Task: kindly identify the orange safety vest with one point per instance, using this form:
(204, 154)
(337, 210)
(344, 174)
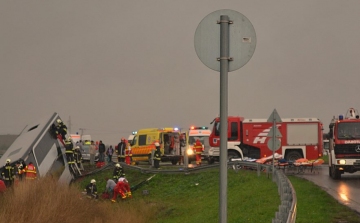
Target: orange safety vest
(198, 149)
(30, 172)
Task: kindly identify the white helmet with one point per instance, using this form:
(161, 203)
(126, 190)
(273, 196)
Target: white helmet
(77, 147)
(122, 179)
(157, 144)
(117, 165)
(8, 161)
(93, 181)
(58, 120)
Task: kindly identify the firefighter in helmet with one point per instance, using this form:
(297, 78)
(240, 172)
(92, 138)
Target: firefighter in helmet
(91, 190)
(198, 149)
(8, 173)
(69, 151)
(157, 155)
(118, 172)
(61, 129)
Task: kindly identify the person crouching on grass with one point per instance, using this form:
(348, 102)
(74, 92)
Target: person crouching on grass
(122, 188)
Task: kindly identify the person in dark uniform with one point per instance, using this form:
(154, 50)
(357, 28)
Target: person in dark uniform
(8, 173)
(121, 150)
(118, 172)
(157, 155)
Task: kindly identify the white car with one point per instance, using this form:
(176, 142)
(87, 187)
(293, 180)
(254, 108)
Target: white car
(86, 155)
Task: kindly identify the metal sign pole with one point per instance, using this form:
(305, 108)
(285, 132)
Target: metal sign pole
(274, 143)
(224, 65)
(241, 39)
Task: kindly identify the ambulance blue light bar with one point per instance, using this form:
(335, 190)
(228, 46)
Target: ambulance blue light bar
(196, 127)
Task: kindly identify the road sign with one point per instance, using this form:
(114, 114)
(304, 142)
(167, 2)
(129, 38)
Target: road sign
(242, 40)
(274, 117)
(277, 133)
(274, 144)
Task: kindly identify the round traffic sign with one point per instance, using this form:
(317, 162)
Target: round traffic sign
(242, 39)
(274, 146)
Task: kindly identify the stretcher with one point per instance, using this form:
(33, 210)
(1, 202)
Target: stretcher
(311, 165)
(301, 166)
(269, 159)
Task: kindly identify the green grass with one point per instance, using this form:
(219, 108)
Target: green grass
(178, 199)
(195, 197)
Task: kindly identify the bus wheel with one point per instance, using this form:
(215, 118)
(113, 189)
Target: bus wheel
(232, 154)
(293, 155)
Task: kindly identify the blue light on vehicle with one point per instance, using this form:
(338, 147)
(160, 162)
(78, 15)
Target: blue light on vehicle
(341, 117)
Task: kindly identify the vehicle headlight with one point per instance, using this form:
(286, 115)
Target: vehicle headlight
(189, 152)
(341, 162)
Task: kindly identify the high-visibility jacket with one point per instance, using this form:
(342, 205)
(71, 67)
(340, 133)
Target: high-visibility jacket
(198, 148)
(30, 171)
(8, 172)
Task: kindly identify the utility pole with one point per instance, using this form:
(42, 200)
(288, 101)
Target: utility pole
(82, 132)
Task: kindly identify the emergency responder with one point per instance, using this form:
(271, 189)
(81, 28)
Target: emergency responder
(20, 170)
(30, 172)
(198, 149)
(118, 172)
(110, 184)
(91, 190)
(69, 151)
(121, 150)
(122, 188)
(61, 129)
(101, 151)
(78, 158)
(8, 173)
(128, 153)
(157, 155)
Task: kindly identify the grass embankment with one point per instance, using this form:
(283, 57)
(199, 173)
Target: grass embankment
(180, 198)
(172, 198)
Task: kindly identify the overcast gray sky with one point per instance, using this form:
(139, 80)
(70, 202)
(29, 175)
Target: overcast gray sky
(116, 66)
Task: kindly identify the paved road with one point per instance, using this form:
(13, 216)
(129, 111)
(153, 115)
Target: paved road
(346, 190)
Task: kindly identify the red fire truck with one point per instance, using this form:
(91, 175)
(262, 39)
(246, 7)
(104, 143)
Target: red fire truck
(344, 144)
(301, 138)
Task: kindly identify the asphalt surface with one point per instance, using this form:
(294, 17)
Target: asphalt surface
(346, 190)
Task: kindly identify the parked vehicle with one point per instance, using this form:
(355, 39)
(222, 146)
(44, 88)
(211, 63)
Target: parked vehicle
(202, 133)
(143, 144)
(37, 144)
(301, 138)
(344, 144)
(86, 155)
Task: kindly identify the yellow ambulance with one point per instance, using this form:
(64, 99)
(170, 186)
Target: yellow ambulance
(171, 143)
